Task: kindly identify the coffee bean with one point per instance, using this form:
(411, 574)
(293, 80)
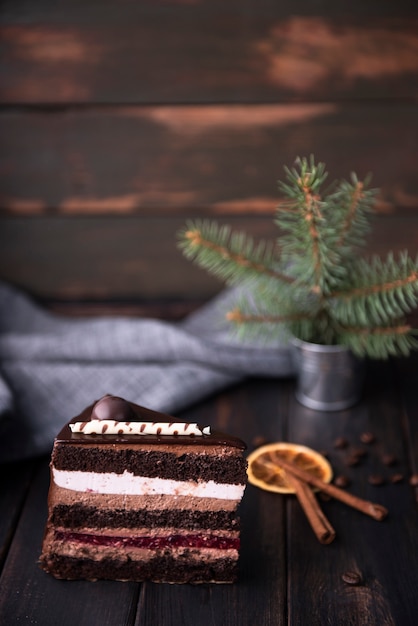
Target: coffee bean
(352, 460)
(352, 578)
(389, 459)
(340, 443)
(259, 441)
(367, 437)
(376, 479)
(413, 481)
(359, 452)
(396, 478)
(342, 481)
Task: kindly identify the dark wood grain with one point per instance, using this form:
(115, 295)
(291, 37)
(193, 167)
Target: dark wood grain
(27, 592)
(387, 573)
(206, 52)
(15, 482)
(164, 110)
(177, 159)
(406, 377)
(105, 258)
(286, 575)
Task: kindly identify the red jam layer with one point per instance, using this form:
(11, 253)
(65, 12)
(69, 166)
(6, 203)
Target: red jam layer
(152, 543)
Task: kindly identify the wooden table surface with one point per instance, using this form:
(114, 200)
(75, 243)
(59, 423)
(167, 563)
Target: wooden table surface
(286, 575)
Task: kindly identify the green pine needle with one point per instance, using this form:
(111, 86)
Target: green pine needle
(380, 343)
(231, 256)
(380, 291)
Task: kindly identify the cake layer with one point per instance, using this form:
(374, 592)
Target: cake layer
(205, 535)
(71, 549)
(59, 495)
(157, 569)
(171, 539)
(129, 484)
(79, 516)
(178, 557)
(180, 463)
(144, 544)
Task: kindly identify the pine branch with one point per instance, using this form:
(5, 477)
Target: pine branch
(380, 342)
(355, 202)
(265, 312)
(268, 326)
(355, 197)
(382, 291)
(308, 241)
(231, 257)
(238, 317)
(306, 173)
(312, 215)
(308, 283)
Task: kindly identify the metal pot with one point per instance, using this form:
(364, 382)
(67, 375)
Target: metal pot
(329, 378)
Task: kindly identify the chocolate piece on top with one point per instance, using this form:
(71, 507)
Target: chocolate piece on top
(112, 408)
(138, 415)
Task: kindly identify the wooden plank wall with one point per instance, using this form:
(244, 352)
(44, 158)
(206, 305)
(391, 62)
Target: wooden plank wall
(119, 119)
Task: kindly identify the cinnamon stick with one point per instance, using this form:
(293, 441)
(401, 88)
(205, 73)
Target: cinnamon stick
(376, 511)
(320, 525)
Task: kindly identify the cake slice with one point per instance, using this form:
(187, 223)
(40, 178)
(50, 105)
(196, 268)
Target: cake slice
(136, 495)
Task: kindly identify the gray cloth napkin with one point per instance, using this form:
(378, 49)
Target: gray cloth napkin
(52, 367)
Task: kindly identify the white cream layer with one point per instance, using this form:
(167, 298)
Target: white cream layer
(131, 485)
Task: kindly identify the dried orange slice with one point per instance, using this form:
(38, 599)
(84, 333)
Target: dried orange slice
(264, 468)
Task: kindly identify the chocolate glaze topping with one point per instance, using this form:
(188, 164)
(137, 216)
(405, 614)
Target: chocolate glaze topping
(115, 408)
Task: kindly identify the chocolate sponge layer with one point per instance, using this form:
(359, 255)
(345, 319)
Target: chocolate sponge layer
(226, 469)
(78, 516)
(158, 569)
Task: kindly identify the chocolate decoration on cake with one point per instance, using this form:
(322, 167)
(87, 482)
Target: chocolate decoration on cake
(142, 429)
(143, 414)
(112, 408)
